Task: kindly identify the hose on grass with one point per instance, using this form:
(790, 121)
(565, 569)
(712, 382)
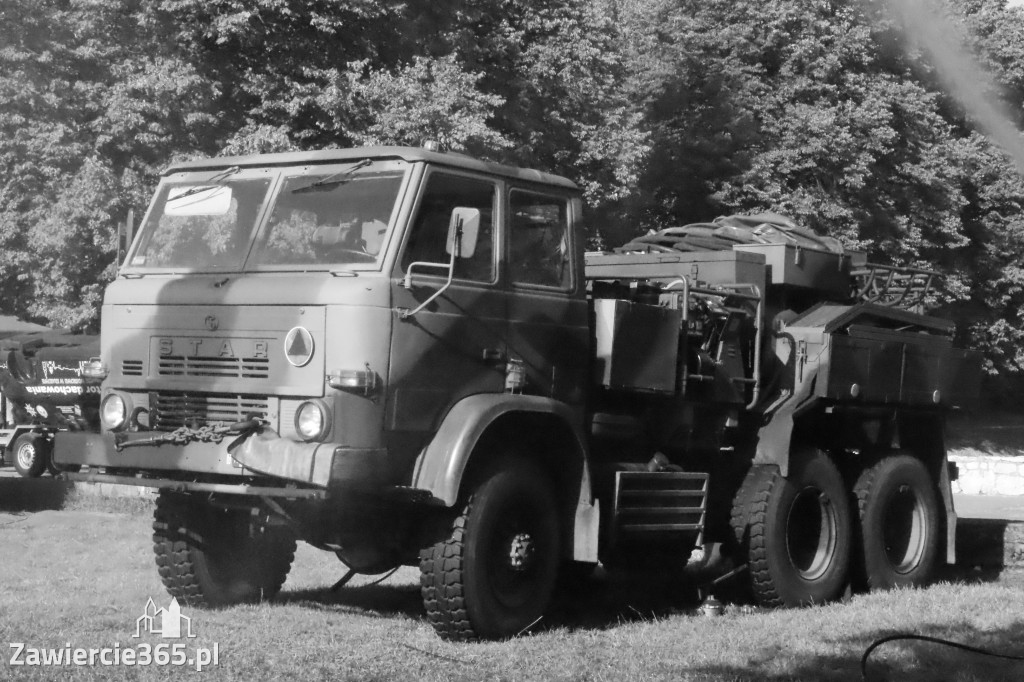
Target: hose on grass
(933, 640)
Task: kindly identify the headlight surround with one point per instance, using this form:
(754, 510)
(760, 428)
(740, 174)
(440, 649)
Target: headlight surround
(312, 420)
(114, 411)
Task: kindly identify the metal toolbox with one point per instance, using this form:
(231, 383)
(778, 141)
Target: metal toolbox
(636, 345)
(707, 267)
(888, 367)
(801, 266)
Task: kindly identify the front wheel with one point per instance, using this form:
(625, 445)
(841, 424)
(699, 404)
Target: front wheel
(494, 576)
(31, 453)
(795, 531)
(899, 523)
(208, 556)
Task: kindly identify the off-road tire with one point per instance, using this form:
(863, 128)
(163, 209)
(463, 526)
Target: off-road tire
(30, 453)
(470, 583)
(739, 589)
(795, 533)
(899, 524)
(206, 556)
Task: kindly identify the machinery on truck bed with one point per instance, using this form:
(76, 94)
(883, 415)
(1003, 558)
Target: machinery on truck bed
(403, 356)
(43, 390)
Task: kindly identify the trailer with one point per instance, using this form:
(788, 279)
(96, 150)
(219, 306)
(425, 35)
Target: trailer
(405, 357)
(43, 390)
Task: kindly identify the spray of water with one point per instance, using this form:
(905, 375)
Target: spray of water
(963, 77)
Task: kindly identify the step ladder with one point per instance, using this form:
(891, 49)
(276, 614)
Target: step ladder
(652, 503)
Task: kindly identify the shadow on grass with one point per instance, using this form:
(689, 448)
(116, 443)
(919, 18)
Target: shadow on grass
(622, 597)
(32, 494)
(608, 601)
(987, 551)
(370, 600)
(587, 605)
(906, 661)
(601, 603)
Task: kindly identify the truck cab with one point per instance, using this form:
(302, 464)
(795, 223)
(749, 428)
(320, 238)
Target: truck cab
(312, 292)
(328, 337)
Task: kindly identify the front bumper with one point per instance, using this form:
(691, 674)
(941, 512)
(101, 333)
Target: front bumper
(290, 491)
(264, 454)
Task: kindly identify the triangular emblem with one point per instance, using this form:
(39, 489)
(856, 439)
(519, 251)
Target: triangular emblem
(298, 346)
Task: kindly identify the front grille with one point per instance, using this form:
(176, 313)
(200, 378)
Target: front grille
(131, 368)
(172, 409)
(235, 368)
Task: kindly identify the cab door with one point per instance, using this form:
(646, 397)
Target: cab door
(455, 346)
(548, 322)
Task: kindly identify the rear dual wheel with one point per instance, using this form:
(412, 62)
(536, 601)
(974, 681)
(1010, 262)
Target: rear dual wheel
(794, 532)
(900, 523)
(798, 538)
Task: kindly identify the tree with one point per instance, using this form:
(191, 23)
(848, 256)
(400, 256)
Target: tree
(92, 109)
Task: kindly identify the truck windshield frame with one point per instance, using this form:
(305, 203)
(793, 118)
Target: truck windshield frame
(342, 218)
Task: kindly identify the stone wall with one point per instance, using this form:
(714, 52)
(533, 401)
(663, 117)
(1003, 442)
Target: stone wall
(988, 474)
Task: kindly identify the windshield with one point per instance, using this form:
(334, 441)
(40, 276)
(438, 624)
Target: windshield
(318, 217)
(201, 226)
(328, 218)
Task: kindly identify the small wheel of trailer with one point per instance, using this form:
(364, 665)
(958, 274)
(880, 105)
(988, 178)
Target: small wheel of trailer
(900, 522)
(794, 532)
(495, 574)
(31, 452)
(207, 556)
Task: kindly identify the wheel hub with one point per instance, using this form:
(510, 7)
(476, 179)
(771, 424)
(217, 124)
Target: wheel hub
(26, 454)
(521, 552)
(812, 533)
(904, 532)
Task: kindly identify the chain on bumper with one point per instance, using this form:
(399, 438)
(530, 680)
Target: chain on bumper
(183, 435)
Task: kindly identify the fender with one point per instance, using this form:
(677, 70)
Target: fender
(442, 463)
(946, 493)
(775, 436)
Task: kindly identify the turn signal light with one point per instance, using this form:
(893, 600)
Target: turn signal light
(360, 381)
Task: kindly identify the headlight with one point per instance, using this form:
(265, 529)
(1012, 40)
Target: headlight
(113, 411)
(312, 420)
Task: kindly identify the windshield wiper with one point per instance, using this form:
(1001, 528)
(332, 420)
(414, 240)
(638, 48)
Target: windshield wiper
(338, 178)
(217, 179)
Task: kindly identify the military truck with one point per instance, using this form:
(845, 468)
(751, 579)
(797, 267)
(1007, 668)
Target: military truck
(403, 356)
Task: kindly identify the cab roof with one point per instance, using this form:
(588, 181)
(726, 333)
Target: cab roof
(410, 154)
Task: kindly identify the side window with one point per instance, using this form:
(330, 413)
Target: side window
(430, 229)
(539, 239)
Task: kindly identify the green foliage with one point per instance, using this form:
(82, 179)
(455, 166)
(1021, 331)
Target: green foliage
(664, 112)
(93, 107)
(430, 99)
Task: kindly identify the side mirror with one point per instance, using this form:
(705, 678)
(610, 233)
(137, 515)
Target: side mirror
(125, 232)
(463, 230)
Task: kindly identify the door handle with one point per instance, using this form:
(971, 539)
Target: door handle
(493, 355)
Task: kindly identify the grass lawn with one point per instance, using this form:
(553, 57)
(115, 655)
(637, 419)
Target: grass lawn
(82, 578)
